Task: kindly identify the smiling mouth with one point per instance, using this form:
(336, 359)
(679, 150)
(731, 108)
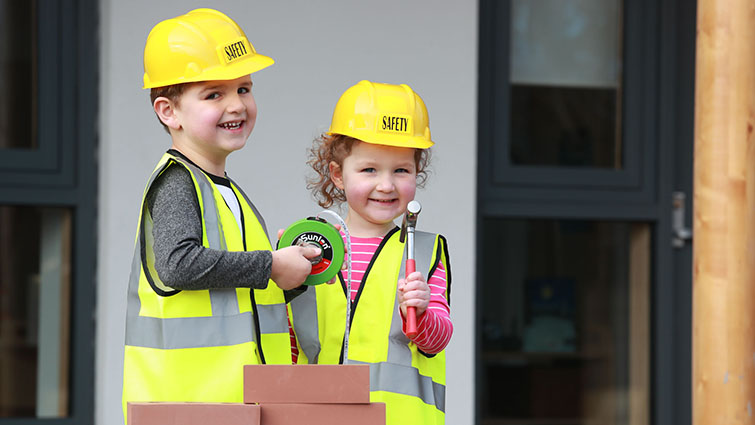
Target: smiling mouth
(383, 201)
(231, 125)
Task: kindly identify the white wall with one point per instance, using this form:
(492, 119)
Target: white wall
(320, 48)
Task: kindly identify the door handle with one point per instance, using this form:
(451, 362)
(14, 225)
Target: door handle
(680, 232)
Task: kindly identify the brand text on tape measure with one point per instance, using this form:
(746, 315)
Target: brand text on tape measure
(317, 232)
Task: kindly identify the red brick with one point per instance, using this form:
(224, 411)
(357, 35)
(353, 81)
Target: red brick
(323, 414)
(159, 413)
(306, 384)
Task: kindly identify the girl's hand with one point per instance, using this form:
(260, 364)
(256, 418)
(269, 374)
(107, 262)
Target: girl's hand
(413, 291)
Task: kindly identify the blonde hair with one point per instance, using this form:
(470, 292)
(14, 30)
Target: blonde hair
(329, 148)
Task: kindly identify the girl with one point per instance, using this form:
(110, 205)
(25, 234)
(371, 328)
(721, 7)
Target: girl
(373, 157)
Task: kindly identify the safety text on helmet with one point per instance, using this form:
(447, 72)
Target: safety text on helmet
(235, 50)
(395, 124)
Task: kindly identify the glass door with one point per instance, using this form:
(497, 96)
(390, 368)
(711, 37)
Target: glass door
(35, 307)
(585, 132)
(565, 325)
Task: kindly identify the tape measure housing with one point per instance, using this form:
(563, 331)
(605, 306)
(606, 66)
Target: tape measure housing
(317, 232)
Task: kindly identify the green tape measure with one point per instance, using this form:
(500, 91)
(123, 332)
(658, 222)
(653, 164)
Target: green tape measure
(317, 232)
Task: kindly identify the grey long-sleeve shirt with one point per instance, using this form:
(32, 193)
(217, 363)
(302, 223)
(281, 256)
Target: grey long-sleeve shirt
(180, 259)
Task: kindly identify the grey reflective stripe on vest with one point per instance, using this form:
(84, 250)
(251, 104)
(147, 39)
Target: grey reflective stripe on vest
(273, 318)
(225, 327)
(212, 223)
(224, 302)
(189, 332)
(400, 379)
(306, 325)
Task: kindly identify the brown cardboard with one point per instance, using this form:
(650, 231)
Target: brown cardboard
(307, 384)
(164, 413)
(323, 414)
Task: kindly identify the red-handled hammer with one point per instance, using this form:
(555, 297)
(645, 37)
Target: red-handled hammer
(407, 232)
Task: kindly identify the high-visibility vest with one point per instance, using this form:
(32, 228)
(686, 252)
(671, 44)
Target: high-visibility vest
(192, 345)
(412, 384)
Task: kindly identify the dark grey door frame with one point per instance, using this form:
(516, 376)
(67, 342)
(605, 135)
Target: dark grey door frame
(672, 369)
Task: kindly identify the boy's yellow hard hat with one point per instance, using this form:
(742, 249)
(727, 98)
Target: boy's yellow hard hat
(383, 114)
(201, 45)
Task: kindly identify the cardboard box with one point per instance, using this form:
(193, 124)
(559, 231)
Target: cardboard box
(307, 384)
(323, 414)
(165, 413)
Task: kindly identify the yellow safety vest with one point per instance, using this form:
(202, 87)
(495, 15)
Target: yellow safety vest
(192, 345)
(410, 383)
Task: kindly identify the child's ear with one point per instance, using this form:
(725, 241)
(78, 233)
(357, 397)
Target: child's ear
(166, 112)
(336, 174)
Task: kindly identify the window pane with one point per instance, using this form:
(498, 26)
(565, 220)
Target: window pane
(35, 273)
(566, 83)
(18, 74)
(565, 322)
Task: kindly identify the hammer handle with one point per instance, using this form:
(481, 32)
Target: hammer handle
(411, 312)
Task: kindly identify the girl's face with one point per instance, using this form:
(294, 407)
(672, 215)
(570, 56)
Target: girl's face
(378, 181)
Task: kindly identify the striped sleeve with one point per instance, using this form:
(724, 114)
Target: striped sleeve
(434, 328)
(294, 347)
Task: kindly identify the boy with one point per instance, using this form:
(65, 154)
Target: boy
(205, 294)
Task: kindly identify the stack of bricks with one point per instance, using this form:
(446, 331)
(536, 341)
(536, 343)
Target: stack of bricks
(279, 395)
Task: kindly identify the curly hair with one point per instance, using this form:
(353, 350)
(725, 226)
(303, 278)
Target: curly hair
(329, 148)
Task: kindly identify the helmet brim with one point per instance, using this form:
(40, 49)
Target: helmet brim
(387, 139)
(248, 66)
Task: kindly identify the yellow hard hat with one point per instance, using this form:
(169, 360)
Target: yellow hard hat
(201, 45)
(383, 114)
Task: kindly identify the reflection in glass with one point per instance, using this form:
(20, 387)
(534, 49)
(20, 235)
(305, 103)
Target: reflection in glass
(565, 331)
(35, 279)
(565, 76)
(18, 74)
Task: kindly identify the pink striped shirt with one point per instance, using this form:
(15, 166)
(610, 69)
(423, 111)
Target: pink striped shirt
(434, 327)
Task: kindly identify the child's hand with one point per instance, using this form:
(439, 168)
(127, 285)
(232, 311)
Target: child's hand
(291, 265)
(343, 266)
(413, 291)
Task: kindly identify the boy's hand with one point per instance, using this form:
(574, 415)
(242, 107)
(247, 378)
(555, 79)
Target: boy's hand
(413, 291)
(291, 265)
(343, 266)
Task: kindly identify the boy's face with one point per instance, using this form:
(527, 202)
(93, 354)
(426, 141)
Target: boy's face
(215, 118)
(378, 181)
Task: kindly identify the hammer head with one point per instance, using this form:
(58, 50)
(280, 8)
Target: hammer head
(410, 218)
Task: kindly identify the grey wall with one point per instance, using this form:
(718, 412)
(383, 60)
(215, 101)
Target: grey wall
(320, 48)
